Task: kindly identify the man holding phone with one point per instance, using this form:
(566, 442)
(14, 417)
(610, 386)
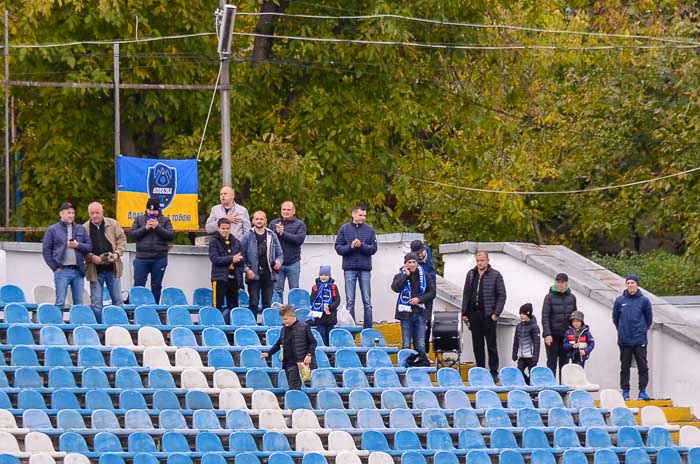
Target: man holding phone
(64, 247)
(153, 234)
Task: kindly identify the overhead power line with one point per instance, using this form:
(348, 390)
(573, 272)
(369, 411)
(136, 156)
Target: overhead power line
(554, 192)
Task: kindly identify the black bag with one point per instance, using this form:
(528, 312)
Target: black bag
(417, 360)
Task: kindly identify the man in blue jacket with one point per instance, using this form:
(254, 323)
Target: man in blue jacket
(356, 242)
(291, 232)
(632, 317)
(64, 248)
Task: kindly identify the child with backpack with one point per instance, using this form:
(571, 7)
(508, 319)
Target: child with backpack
(578, 340)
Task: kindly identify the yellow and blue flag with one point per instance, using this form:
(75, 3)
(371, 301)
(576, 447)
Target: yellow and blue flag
(174, 182)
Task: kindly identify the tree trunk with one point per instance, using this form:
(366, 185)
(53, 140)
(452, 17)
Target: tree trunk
(262, 49)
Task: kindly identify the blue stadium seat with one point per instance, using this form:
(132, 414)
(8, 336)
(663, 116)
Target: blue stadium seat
(456, 399)
(425, 399)
(361, 399)
(52, 335)
(622, 416)
(11, 294)
(111, 458)
(303, 314)
(406, 440)
(182, 336)
(318, 338)
(243, 317)
(296, 399)
(114, 315)
(355, 378)
(141, 442)
(518, 399)
(282, 380)
(496, 417)
(565, 437)
(131, 399)
(213, 458)
(272, 335)
(160, 378)
(448, 377)
(329, 399)
(370, 338)
(211, 316)
(402, 419)
(107, 442)
(122, 357)
(23, 355)
(477, 456)
(171, 419)
(511, 377)
(313, 458)
(147, 315)
(49, 314)
(89, 356)
(323, 378)
(197, 399)
(36, 419)
(250, 358)
(95, 378)
(64, 400)
(345, 358)
(541, 376)
(237, 419)
(98, 399)
(16, 313)
(243, 298)
(8, 459)
(639, 456)
(141, 296)
(373, 440)
(127, 378)
(60, 377)
(337, 419)
(629, 437)
(693, 457)
(85, 336)
(242, 441)
(137, 419)
(591, 417)
(246, 337)
(541, 456)
(487, 399)
(164, 400)
(19, 335)
(434, 419)
(28, 377)
(202, 297)
(548, 399)
(393, 399)
(479, 377)
(71, 442)
(444, 457)
(529, 417)
(414, 457)
(369, 419)
(213, 336)
(510, 457)
(503, 438)
(246, 458)
(271, 317)
(3, 381)
(210, 442)
(104, 419)
(378, 358)
(418, 378)
(205, 419)
(143, 457)
(279, 458)
(56, 356)
(178, 316)
(179, 458)
(321, 359)
(535, 438)
(69, 419)
(605, 456)
(82, 314)
(658, 437)
(580, 399)
(560, 417)
(465, 418)
(386, 378)
(173, 296)
(299, 298)
(175, 442)
(341, 338)
(220, 358)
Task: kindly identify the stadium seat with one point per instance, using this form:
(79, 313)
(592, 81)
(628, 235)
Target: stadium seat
(370, 419)
(114, 315)
(477, 456)
(496, 417)
(402, 419)
(417, 378)
(512, 377)
(340, 338)
(373, 440)
(518, 399)
(541, 456)
(529, 417)
(424, 399)
(175, 442)
(622, 416)
(271, 317)
(137, 419)
(230, 399)
(210, 442)
(361, 399)
(323, 378)
(147, 314)
(97, 399)
(144, 457)
(12, 294)
(178, 316)
(19, 335)
(49, 314)
(658, 437)
(304, 419)
(246, 458)
(406, 440)
(191, 379)
(597, 437)
(122, 357)
(313, 458)
(548, 399)
(693, 456)
(339, 440)
(629, 437)
(308, 442)
(179, 458)
(372, 338)
(639, 456)
(393, 399)
(243, 317)
(535, 438)
(28, 377)
(16, 313)
(456, 399)
(131, 399)
(299, 298)
(44, 294)
(355, 378)
(503, 438)
(69, 419)
(689, 436)
(52, 335)
(213, 458)
(296, 399)
(439, 440)
(574, 376)
(37, 442)
(345, 358)
(379, 457)
(85, 336)
(264, 399)
(82, 314)
(541, 376)
(211, 316)
(72, 442)
(414, 457)
(486, 399)
(95, 378)
(36, 419)
(104, 419)
(107, 442)
(652, 416)
(510, 457)
(202, 297)
(141, 296)
(165, 399)
(347, 457)
(337, 419)
(204, 419)
(182, 337)
(243, 298)
(303, 314)
(246, 337)
(75, 458)
(448, 377)
(328, 399)
(605, 456)
(560, 417)
(580, 399)
(378, 358)
(237, 419)
(565, 437)
(386, 378)
(465, 418)
(173, 296)
(197, 399)
(213, 336)
(591, 417)
(171, 419)
(220, 358)
(610, 399)
(89, 356)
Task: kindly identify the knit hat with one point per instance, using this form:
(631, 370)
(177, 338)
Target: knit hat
(153, 203)
(325, 270)
(561, 277)
(417, 246)
(576, 315)
(65, 206)
(632, 277)
(410, 256)
(526, 309)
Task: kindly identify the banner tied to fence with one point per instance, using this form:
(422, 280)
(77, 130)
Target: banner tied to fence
(173, 182)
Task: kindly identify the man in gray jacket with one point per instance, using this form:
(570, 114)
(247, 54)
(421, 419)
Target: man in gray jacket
(263, 259)
(237, 214)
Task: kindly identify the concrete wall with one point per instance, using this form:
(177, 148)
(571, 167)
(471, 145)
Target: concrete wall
(189, 268)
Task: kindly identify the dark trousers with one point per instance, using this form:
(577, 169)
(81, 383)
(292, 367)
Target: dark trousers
(225, 290)
(556, 355)
(325, 331)
(428, 330)
(293, 376)
(155, 267)
(483, 329)
(254, 286)
(526, 363)
(640, 354)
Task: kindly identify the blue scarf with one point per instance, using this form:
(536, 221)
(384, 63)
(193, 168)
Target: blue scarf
(323, 297)
(403, 304)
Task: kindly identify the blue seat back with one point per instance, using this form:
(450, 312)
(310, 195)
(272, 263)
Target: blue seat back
(329, 399)
(171, 419)
(82, 314)
(622, 416)
(259, 379)
(402, 419)
(487, 399)
(89, 356)
(434, 419)
(345, 358)
(71, 442)
(605, 456)
(141, 442)
(28, 377)
(541, 376)
(246, 337)
(405, 440)
(243, 298)
(337, 419)
(448, 377)
(540, 456)
(242, 441)
(16, 313)
(639, 456)
(246, 458)
(114, 315)
(173, 296)
(251, 358)
(127, 378)
(370, 419)
(122, 357)
(511, 377)
(466, 418)
(503, 438)
(11, 293)
(52, 335)
(378, 358)
(141, 296)
(211, 316)
(98, 399)
(477, 456)
(175, 442)
(49, 314)
(393, 399)
(271, 317)
(510, 456)
(480, 377)
(518, 399)
(69, 419)
(496, 417)
(272, 335)
(443, 457)
(341, 338)
(424, 399)
(581, 399)
(178, 315)
(299, 298)
(323, 378)
(535, 438)
(137, 419)
(58, 357)
(237, 419)
(560, 417)
(107, 442)
(179, 458)
(197, 399)
(19, 335)
(373, 440)
(386, 378)
(355, 378)
(565, 437)
(164, 400)
(182, 336)
(629, 437)
(220, 358)
(213, 336)
(659, 437)
(313, 458)
(243, 317)
(529, 417)
(210, 442)
(417, 377)
(372, 338)
(414, 457)
(202, 297)
(160, 378)
(132, 399)
(147, 315)
(86, 336)
(296, 399)
(361, 399)
(591, 417)
(205, 419)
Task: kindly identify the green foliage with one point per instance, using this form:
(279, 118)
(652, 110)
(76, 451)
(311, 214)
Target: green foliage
(661, 272)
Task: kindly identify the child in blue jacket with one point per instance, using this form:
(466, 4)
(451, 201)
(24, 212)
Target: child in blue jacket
(578, 340)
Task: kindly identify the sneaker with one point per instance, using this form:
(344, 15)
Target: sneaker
(626, 395)
(643, 396)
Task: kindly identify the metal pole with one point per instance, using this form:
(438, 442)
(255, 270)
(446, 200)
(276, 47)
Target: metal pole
(7, 119)
(225, 118)
(117, 125)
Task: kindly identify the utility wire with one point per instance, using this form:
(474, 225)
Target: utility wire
(557, 192)
(211, 104)
(111, 42)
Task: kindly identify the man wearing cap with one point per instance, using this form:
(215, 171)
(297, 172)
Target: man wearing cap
(237, 214)
(632, 316)
(103, 266)
(153, 233)
(64, 247)
(291, 232)
(483, 300)
(425, 260)
(558, 305)
(415, 289)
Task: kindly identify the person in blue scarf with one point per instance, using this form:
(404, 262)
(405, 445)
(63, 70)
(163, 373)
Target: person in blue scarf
(415, 289)
(325, 299)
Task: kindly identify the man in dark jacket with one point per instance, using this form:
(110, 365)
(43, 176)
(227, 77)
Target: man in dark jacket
(291, 232)
(558, 305)
(297, 345)
(356, 243)
(64, 248)
(153, 233)
(226, 256)
(483, 300)
(263, 259)
(415, 289)
(632, 317)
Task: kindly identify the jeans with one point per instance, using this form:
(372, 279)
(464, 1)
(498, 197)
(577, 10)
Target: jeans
(64, 278)
(290, 272)
(484, 328)
(365, 279)
(325, 331)
(96, 291)
(254, 287)
(413, 330)
(556, 354)
(640, 354)
(155, 267)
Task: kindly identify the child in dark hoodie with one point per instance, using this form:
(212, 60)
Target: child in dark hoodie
(578, 340)
(526, 342)
(325, 299)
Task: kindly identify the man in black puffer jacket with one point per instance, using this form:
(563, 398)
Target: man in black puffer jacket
(556, 311)
(226, 256)
(297, 344)
(483, 300)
